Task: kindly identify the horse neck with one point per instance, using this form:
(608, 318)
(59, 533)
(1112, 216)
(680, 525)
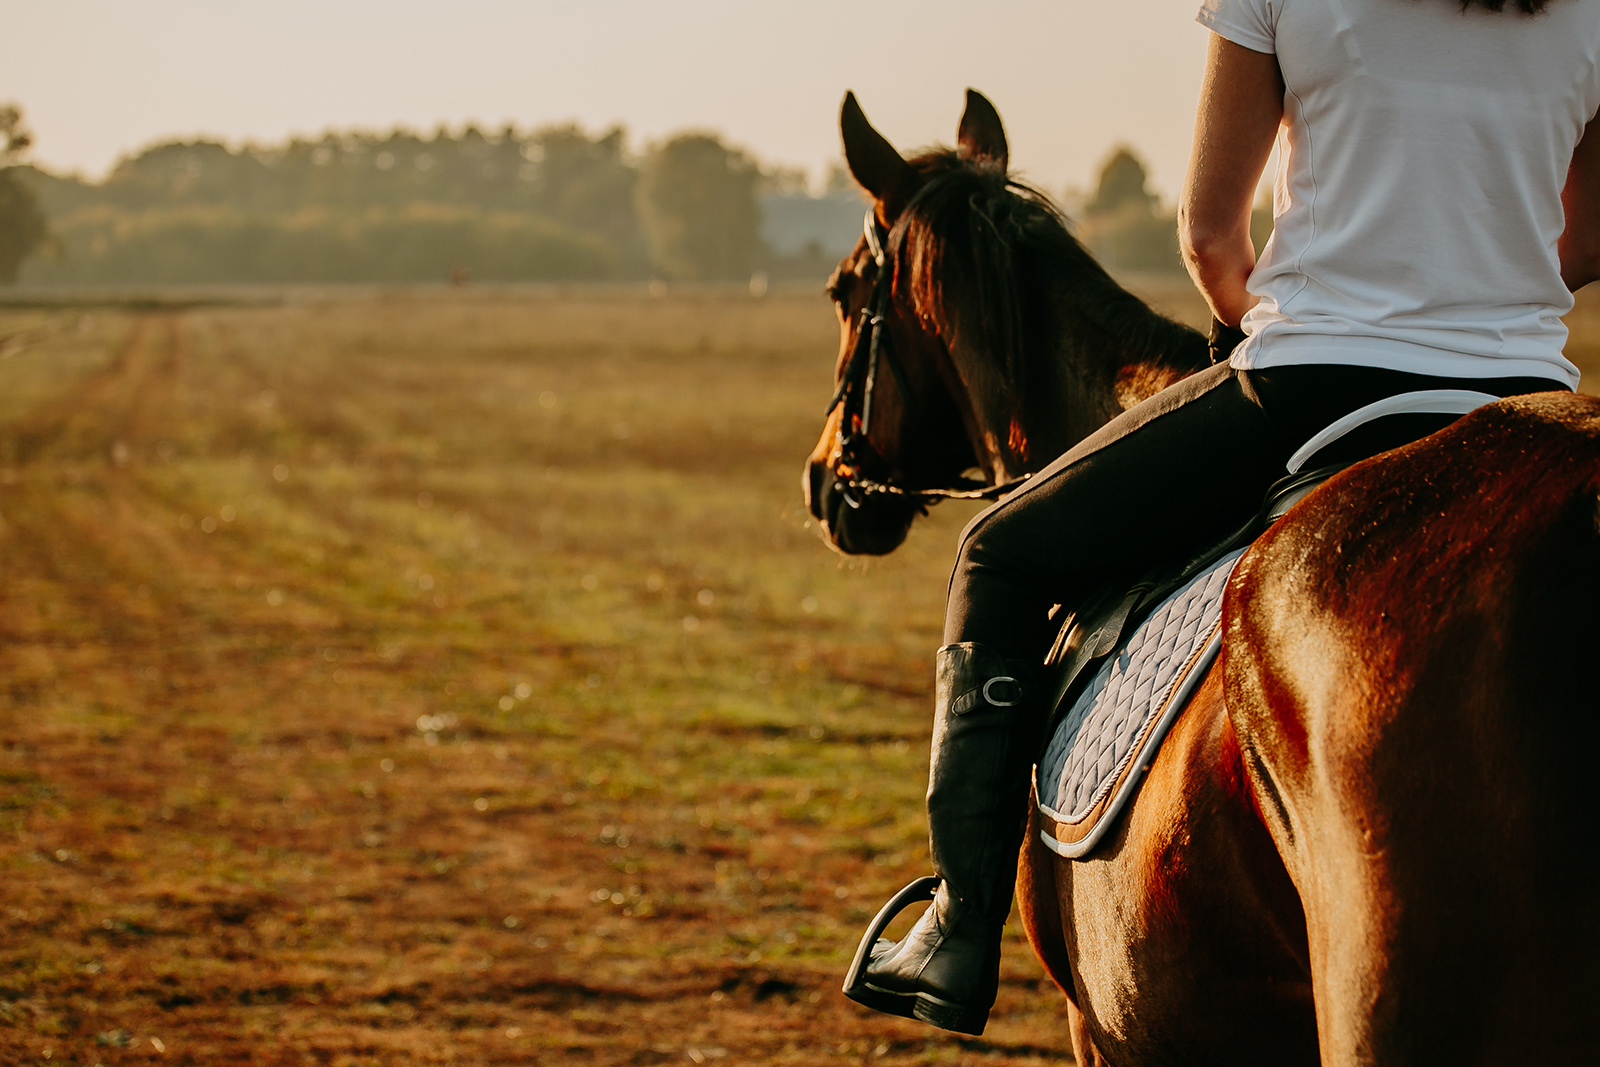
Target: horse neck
(1114, 352)
(1110, 352)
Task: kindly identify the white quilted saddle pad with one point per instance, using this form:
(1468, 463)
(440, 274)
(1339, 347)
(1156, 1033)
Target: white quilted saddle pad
(1106, 740)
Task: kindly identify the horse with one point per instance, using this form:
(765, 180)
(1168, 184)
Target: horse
(1362, 840)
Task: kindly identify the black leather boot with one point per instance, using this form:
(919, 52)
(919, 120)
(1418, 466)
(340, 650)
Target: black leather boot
(985, 734)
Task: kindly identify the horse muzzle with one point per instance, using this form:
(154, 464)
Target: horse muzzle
(855, 523)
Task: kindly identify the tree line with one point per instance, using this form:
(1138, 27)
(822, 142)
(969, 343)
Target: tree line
(22, 223)
(555, 203)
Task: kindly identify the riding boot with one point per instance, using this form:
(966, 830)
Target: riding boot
(985, 734)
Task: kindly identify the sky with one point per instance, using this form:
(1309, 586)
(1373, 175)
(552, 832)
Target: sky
(1072, 79)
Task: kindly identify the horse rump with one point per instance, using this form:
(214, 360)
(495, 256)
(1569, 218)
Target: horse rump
(1408, 669)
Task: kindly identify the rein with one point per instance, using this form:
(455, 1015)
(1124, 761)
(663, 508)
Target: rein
(855, 392)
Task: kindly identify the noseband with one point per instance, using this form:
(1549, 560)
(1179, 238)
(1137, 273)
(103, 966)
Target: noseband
(855, 392)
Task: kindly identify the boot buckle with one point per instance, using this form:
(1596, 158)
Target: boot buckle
(1016, 692)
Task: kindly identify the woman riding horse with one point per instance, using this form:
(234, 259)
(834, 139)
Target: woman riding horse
(1436, 203)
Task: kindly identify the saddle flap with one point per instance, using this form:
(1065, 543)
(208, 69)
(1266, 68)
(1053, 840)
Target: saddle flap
(1099, 751)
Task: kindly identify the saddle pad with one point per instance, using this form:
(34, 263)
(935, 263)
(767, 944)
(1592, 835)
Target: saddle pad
(1106, 740)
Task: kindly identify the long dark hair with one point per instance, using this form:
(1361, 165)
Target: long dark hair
(1527, 7)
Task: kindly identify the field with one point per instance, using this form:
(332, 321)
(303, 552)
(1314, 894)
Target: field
(451, 677)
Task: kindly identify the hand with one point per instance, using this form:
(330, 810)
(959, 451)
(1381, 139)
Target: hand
(1223, 340)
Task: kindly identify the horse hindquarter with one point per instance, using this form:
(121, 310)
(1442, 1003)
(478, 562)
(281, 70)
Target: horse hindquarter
(1406, 674)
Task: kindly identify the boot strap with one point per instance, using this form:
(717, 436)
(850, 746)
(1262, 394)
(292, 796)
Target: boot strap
(1001, 691)
(999, 700)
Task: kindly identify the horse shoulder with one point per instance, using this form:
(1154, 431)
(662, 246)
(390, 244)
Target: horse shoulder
(1403, 660)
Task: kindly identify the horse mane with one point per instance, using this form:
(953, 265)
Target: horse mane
(1001, 250)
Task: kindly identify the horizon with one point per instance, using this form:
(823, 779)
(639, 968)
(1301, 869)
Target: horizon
(92, 96)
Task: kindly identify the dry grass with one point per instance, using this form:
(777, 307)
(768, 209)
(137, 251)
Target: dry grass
(433, 678)
(436, 678)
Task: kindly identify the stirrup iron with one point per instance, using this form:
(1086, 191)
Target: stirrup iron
(921, 889)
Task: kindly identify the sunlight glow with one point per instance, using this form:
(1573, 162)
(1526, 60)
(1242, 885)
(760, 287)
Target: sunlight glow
(99, 79)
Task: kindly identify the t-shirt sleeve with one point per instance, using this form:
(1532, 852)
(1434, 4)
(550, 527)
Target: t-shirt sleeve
(1250, 23)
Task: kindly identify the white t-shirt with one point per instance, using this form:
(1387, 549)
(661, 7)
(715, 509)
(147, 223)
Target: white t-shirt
(1418, 195)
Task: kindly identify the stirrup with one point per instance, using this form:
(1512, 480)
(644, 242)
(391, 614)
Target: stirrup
(922, 889)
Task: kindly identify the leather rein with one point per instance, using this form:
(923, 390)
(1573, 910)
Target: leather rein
(855, 392)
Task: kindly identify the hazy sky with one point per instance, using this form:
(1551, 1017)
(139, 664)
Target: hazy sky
(1071, 78)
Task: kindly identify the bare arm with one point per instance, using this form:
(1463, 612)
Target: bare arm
(1579, 246)
(1241, 105)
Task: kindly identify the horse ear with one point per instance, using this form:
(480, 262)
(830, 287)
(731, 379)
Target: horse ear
(873, 161)
(981, 136)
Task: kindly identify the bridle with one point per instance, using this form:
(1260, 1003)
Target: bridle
(855, 392)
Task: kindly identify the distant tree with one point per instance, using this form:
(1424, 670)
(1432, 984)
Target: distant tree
(14, 136)
(698, 202)
(839, 180)
(1123, 224)
(381, 205)
(1122, 187)
(588, 185)
(22, 225)
(779, 180)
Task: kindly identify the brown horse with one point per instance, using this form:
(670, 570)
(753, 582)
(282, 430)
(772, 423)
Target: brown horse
(1366, 838)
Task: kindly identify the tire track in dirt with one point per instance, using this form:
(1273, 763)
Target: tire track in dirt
(99, 536)
(90, 545)
(81, 570)
(99, 545)
(310, 422)
(33, 432)
(301, 392)
(94, 561)
(109, 404)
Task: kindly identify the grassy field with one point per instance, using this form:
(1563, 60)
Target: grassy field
(449, 678)
(452, 678)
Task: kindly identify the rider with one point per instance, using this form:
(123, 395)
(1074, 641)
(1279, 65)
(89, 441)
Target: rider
(1427, 150)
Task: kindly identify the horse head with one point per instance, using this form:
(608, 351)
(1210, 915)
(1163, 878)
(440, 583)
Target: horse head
(977, 339)
(873, 433)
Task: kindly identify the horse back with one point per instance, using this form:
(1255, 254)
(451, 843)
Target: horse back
(1407, 668)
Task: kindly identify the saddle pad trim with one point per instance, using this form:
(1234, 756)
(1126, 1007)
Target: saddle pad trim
(1102, 815)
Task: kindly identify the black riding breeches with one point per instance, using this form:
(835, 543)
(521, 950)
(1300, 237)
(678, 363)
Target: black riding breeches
(1159, 482)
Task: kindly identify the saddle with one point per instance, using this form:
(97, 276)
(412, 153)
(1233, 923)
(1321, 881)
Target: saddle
(1126, 664)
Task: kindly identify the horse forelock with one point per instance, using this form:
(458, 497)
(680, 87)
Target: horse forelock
(961, 250)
